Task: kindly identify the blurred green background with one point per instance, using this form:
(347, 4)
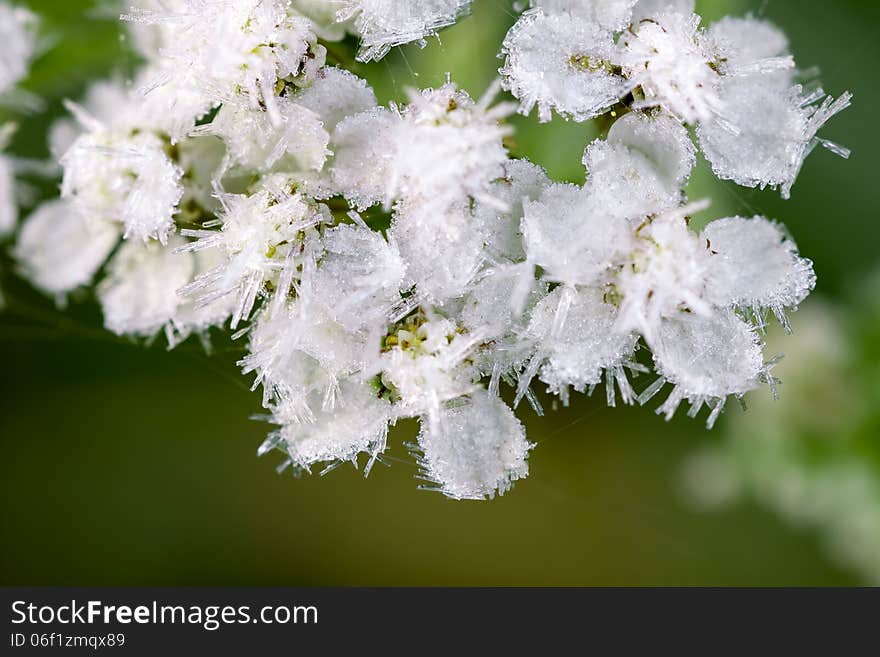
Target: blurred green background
(124, 464)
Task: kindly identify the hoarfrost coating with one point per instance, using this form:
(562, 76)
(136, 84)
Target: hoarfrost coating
(390, 262)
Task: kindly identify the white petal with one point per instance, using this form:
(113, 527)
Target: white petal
(613, 15)
(708, 357)
(383, 24)
(58, 250)
(754, 264)
(574, 238)
(474, 448)
(580, 346)
(139, 296)
(764, 133)
(336, 94)
(662, 140)
(354, 421)
(560, 63)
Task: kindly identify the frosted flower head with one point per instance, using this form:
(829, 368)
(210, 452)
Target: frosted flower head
(755, 265)
(670, 61)
(262, 241)
(664, 274)
(765, 132)
(353, 421)
(423, 363)
(473, 448)
(383, 24)
(245, 51)
(139, 295)
(59, 250)
(448, 148)
(561, 62)
(127, 178)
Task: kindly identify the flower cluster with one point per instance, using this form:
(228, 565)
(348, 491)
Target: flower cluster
(735, 81)
(389, 262)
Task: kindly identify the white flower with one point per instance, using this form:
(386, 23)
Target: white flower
(440, 151)
(561, 62)
(383, 24)
(764, 133)
(578, 338)
(239, 52)
(424, 364)
(139, 296)
(447, 148)
(474, 449)
(664, 274)
(754, 265)
(59, 250)
(707, 358)
(359, 277)
(8, 203)
(669, 59)
(235, 163)
(354, 421)
(126, 178)
(261, 240)
(18, 28)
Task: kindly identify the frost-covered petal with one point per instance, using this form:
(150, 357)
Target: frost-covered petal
(500, 218)
(295, 351)
(139, 296)
(443, 253)
(334, 95)
(662, 140)
(383, 24)
(571, 236)
(754, 264)
(59, 250)
(361, 165)
(650, 9)
(474, 449)
(355, 421)
(560, 62)
(672, 62)
(743, 42)
(295, 138)
(577, 338)
(765, 133)
(708, 357)
(613, 15)
(359, 276)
